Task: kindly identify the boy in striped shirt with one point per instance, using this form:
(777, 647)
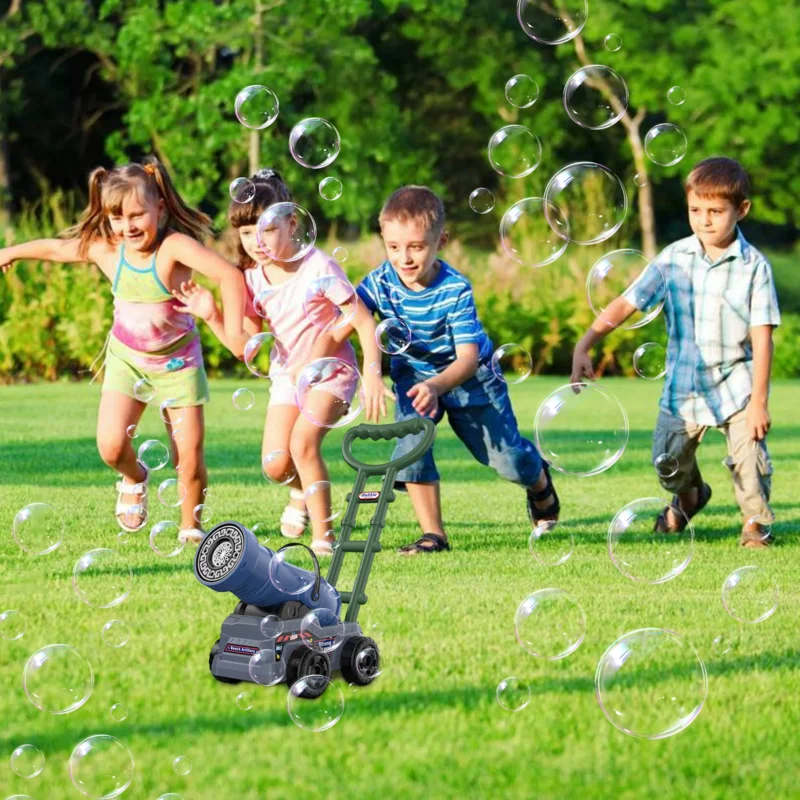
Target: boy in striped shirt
(447, 366)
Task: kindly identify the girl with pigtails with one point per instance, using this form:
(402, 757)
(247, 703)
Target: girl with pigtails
(147, 241)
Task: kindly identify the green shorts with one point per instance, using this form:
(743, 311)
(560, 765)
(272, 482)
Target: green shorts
(176, 373)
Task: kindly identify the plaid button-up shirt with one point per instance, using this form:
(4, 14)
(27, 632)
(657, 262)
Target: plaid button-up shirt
(710, 307)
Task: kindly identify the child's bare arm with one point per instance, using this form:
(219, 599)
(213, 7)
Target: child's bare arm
(425, 393)
(758, 417)
(60, 251)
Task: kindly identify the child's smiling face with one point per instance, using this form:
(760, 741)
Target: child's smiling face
(275, 241)
(411, 247)
(713, 219)
(136, 222)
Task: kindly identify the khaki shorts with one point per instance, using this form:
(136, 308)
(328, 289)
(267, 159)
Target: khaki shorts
(748, 461)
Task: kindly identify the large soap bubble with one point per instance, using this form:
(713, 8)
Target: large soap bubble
(651, 683)
(550, 624)
(264, 355)
(101, 767)
(581, 429)
(515, 151)
(750, 594)
(527, 232)
(256, 107)
(329, 392)
(553, 22)
(314, 143)
(639, 551)
(286, 231)
(57, 679)
(315, 703)
(37, 529)
(665, 144)
(522, 91)
(330, 302)
(27, 761)
(591, 198)
(595, 97)
(102, 578)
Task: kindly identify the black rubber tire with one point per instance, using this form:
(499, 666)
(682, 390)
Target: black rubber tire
(304, 662)
(361, 672)
(215, 652)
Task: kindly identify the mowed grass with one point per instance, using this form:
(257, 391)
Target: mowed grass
(430, 726)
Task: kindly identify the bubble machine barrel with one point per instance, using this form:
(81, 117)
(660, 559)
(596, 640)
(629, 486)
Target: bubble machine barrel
(230, 559)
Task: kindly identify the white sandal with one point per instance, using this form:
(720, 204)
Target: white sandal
(323, 547)
(294, 517)
(191, 536)
(138, 509)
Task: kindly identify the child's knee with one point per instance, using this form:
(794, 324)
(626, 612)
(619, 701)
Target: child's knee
(277, 466)
(303, 448)
(111, 451)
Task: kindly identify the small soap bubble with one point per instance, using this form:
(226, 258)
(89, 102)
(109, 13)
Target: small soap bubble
(531, 235)
(38, 529)
(595, 97)
(132, 431)
(513, 694)
(325, 500)
(314, 143)
(640, 179)
(101, 767)
(552, 24)
(171, 412)
(243, 399)
(329, 392)
(267, 303)
(551, 543)
(242, 190)
(550, 624)
(164, 539)
(666, 465)
(315, 703)
(750, 594)
(650, 361)
(143, 390)
(57, 679)
(330, 302)
(278, 468)
(202, 514)
(27, 761)
(178, 436)
(171, 493)
(481, 201)
(265, 666)
(612, 42)
(322, 630)
(676, 95)
(340, 254)
(119, 712)
(264, 355)
(512, 363)
(514, 151)
(665, 144)
(271, 626)
(393, 336)
(330, 188)
(153, 455)
(724, 643)
(116, 633)
(256, 107)
(244, 701)
(102, 578)
(286, 231)
(12, 625)
(522, 91)
(182, 765)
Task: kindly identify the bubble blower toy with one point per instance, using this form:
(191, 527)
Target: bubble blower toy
(265, 639)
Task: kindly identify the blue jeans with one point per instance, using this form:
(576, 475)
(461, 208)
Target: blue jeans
(487, 427)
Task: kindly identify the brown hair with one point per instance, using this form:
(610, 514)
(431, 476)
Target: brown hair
(719, 177)
(415, 203)
(108, 189)
(269, 189)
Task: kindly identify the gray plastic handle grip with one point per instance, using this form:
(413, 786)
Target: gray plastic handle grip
(394, 430)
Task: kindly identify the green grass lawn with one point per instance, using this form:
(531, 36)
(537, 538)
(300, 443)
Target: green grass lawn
(430, 726)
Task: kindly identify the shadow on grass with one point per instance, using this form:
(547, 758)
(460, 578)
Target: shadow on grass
(367, 704)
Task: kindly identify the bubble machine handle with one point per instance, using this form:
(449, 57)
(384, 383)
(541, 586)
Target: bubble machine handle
(394, 430)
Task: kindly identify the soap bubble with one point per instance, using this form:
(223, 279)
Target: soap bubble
(264, 355)
(101, 767)
(12, 625)
(265, 667)
(243, 399)
(513, 694)
(750, 594)
(676, 95)
(256, 107)
(182, 765)
(286, 231)
(640, 180)
(116, 633)
(340, 254)
(153, 455)
(58, 679)
(314, 143)
(267, 303)
(639, 552)
(393, 336)
(515, 151)
(552, 25)
(132, 431)
(330, 302)
(512, 363)
(551, 543)
(292, 570)
(202, 514)
(37, 529)
(322, 391)
(651, 683)
(581, 429)
(325, 490)
(244, 701)
(278, 468)
(617, 273)
(330, 188)
(724, 643)
(242, 190)
(665, 144)
(102, 578)
(178, 412)
(481, 201)
(315, 703)
(591, 201)
(612, 42)
(171, 493)
(261, 530)
(27, 761)
(164, 539)
(143, 390)
(550, 624)
(527, 235)
(650, 361)
(322, 630)
(666, 466)
(178, 438)
(587, 101)
(765, 524)
(119, 712)
(522, 91)
(271, 626)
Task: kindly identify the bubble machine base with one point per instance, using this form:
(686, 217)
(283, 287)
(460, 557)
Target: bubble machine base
(230, 559)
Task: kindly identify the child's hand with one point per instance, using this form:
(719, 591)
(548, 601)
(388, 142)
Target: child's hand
(6, 262)
(581, 366)
(197, 301)
(375, 394)
(426, 402)
(758, 419)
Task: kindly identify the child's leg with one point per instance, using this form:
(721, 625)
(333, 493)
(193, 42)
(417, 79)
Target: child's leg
(187, 453)
(117, 412)
(426, 500)
(751, 469)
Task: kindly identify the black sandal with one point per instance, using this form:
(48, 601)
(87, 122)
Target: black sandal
(661, 526)
(439, 544)
(532, 496)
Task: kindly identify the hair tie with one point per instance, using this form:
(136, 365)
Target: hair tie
(150, 169)
(265, 174)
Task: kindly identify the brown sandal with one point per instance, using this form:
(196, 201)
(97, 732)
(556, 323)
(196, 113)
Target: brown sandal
(422, 546)
(662, 526)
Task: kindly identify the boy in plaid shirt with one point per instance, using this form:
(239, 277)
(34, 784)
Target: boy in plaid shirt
(721, 306)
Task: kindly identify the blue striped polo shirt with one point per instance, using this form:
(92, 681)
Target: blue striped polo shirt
(440, 317)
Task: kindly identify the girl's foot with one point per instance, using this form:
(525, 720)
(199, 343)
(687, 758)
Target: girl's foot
(191, 536)
(131, 509)
(324, 546)
(295, 517)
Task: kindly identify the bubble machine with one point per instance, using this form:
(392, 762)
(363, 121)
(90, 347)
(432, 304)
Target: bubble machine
(287, 624)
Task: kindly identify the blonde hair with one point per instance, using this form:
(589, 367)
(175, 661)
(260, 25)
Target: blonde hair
(108, 189)
(415, 203)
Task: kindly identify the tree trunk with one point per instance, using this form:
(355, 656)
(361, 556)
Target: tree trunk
(254, 154)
